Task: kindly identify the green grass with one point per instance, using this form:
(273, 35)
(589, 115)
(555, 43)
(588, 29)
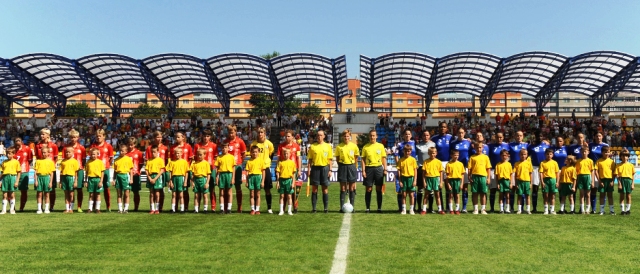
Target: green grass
(304, 243)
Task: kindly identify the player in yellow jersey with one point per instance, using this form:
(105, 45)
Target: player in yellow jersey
(225, 165)
(284, 180)
(200, 183)
(504, 178)
(374, 160)
(479, 168)
(346, 153)
(69, 168)
(567, 179)
(523, 174)
(549, 173)
(255, 179)
(408, 171)
(604, 174)
(44, 173)
(123, 175)
(624, 173)
(178, 168)
(320, 157)
(455, 173)
(433, 178)
(10, 172)
(94, 169)
(155, 170)
(585, 169)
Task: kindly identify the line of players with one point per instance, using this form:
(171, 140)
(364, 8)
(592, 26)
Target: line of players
(593, 178)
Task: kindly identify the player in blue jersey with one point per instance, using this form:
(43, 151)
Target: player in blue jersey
(443, 147)
(537, 155)
(464, 152)
(514, 156)
(406, 140)
(495, 158)
(595, 153)
(560, 152)
(422, 151)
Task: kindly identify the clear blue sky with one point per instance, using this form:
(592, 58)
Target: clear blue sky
(331, 28)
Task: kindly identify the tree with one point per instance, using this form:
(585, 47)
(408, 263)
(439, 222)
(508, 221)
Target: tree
(79, 110)
(310, 111)
(206, 113)
(148, 111)
(270, 56)
(362, 139)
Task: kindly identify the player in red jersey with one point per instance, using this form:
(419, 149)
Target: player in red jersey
(237, 148)
(210, 156)
(80, 155)
(136, 156)
(24, 155)
(187, 154)
(45, 140)
(106, 156)
(164, 154)
(294, 155)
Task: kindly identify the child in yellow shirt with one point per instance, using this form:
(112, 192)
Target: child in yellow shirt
(455, 172)
(504, 177)
(178, 168)
(69, 167)
(479, 169)
(255, 179)
(523, 173)
(408, 171)
(94, 169)
(154, 169)
(567, 179)
(604, 175)
(44, 169)
(10, 171)
(202, 175)
(225, 165)
(585, 168)
(123, 170)
(624, 173)
(432, 168)
(284, 179)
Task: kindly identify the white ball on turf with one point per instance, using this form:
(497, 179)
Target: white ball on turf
(347, 208)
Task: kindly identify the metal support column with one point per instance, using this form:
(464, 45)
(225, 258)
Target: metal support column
(102, 91)
(38, 88)
(217, 87)
(551, 87)
(611, 89)
(159, 90)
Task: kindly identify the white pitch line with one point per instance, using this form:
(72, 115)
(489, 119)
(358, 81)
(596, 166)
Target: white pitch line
(342, 247)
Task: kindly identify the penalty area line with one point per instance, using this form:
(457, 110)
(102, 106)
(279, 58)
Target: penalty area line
(339, 265)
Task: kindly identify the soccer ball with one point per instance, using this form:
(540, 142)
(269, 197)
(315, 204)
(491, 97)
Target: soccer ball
(347, 208)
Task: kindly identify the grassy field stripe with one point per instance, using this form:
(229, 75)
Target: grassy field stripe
(342, 247)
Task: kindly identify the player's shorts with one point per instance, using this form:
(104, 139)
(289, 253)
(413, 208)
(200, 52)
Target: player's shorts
(535, 179)
(92, 185)
(43, 183)
(407, 184)
(420, 184)
(375, 176)
(455, 185)
(493, 181)
(106, 179)
(199, 185)
(479, 184)
(319, 175)
(584, 181)
(66, 182)
(549, 185)
(524, 187)
(238, 176)
(80, 179)
(626, 185)
(122, 181)
(347, 173)
(608, 185)
(254, 181)
(285, 186)
(224, 180)
(178, 183)
(23, 182)
(137, 185)
(433, 183)
(268, 180)
(505, 185)
(158, 184)
(566, 189)
(212, 179)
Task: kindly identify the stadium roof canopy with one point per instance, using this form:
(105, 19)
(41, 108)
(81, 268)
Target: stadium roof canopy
(112, 77)
(600, 75)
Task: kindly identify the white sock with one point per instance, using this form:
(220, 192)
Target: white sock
(562, 207)
(196, 208)
(484, 207)
(153, 207)
(253, 208)
(205, 207)
(553, 208)
(90, 205)
(601, 208)
(71, 207)
(257, 208)
(173, 207)
(46, 206)
(39, 206)
(573, 207)
(67, 206)
(501, 207)
(546, 208)
(451, 206)
(289, 208)
(404, 206)
(582, 207)
(97, 205)
(157, 206)
(457, 207)
(181, 207)
(611, 208)
(439, 208)
(229, 206)
(528, 207)
(126, 207)
(412, 206)
(506, 207)
(519, 207)
(120, 206)
(13, 204)
(621, 207)
(588, 207)
(424, 207)
(281, 207)
(4, 205)
(628, 207)
(475, 207)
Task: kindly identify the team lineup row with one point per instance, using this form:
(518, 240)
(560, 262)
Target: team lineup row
(225, 170)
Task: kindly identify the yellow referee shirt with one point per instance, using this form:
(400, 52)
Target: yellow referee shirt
(478, 165)
(504, 170)
(94, 168)
(320, 154)
(44, 167)
(568, 175)
(584, 166)
(286, 169)
(123, 165)
(549, 169)
(225, 163)
(407, 166)
(454, 170)
(200, 169)
(523, 171)
(266, 149)
(10, 167)
(432, 167)
(625, 170)
(346, 153)
(373, 154)
(605, 168)
(178, 167)
(255, 166)
(69, 167)
(154, 165)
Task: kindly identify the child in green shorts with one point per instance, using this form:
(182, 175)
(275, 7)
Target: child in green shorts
(584, 168)
(604, 173)
(155, 169)
(284, 180)
(10, 172)
(123, 169)
(455, 172)
(178, 168)
(624, 173)
(432, 170)
(567, 179)
(44, 172)
(69, 168)
(201, 175)
(225, 167)
(94, 169)
(479, 168)
(408, 171)
(504, 177)
(255, 179)
(523, 175)
(549, 172)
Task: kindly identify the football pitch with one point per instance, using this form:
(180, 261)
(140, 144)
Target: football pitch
(305, 243)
